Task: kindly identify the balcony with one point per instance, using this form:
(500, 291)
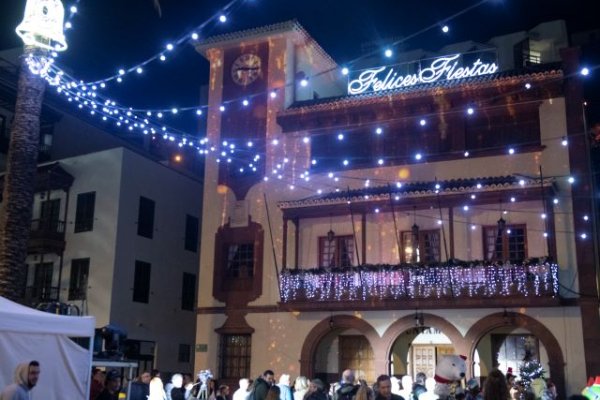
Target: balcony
(477, 284)
(35, 295)
(46, 235)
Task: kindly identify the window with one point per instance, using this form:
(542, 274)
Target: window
(84, 215)
(141, 282)
(80, 269)
(49, 216)
(188, 291)
(510, 244)
(234, 356)
(338, 252)
(240, 260)
(509, 350)
(146, 218)
(425, 250)
(185, 351)
(42, 282)
(191, 233)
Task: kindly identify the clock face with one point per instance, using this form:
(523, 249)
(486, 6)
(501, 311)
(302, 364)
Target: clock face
(245, 69)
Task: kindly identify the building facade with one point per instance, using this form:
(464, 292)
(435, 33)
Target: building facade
(368, 209)
(114, 232)
(108, 241)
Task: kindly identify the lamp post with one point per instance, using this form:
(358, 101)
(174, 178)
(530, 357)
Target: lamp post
(42, 32)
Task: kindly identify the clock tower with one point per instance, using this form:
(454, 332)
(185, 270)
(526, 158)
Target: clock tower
(252, 78)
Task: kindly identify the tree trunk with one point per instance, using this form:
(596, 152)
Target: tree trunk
(19, 183)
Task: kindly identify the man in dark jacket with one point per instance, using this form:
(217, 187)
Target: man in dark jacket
(347, 389)
(140, 389)
(384, 389)
(419, 386)
(261, 386)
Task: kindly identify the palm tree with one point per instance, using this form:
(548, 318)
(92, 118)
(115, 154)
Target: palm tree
(19, 185)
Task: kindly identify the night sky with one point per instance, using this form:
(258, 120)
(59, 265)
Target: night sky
(110, 34)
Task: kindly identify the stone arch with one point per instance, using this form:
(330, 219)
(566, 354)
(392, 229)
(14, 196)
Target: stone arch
(431, 320)
(555, 356)
(334, 323)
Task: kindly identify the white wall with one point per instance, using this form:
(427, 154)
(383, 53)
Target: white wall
(162, 319)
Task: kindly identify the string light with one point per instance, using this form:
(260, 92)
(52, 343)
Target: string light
(397, 282)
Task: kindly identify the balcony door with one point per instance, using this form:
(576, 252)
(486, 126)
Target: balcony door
(42, 281)
(50, 215)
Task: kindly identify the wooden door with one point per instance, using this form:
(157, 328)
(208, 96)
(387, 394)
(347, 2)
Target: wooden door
(423, 360)
(356, 353)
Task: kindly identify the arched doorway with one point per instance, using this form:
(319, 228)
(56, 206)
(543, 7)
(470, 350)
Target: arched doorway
(322, 354)
(516, 327)
(414, 343)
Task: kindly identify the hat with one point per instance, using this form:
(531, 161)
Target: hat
(113, 375)
(509, 372)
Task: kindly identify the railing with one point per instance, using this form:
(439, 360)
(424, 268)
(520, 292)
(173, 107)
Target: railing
(47, 229)
(405, 282)
(35, 294)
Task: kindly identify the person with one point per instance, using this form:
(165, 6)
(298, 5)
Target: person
(316, 390)
(223, 392)
(300, 388)
(284, 387)
(157, 390)
(174, 387)
(261, 385)
(140, 389)
(242, 392)
(473, 390)
(347, 389)
(495, 387)
(273, 393)
(97, 384)
(384, 389)
(25, 378)
(364, 392)
(419, 386)
(111, 387)
(407, 385)
(188, 386)
(213, 388)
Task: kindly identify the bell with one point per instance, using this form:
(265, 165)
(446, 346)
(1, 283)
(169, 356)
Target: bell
(42, 25)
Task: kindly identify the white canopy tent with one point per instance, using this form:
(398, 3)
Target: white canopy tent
(27, 334)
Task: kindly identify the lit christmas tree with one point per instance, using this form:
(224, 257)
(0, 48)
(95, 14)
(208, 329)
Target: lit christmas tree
(531, 373)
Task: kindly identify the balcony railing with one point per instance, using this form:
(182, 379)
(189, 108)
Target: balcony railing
(35, 295)
(406, 282)
(47, 229)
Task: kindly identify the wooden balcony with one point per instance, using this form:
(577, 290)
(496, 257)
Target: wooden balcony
(35, 295)
(46, 236)
(469, 285)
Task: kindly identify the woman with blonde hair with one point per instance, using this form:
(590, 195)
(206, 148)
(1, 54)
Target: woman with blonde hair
(300, 387)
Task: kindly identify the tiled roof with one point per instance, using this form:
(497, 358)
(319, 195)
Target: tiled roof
(273, 29)
(416, 189)
(545, 72)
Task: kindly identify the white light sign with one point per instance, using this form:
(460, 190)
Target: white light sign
(439, 69)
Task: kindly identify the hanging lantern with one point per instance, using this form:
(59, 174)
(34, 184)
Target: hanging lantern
(330, 235)
(501, 225)
(42, 25)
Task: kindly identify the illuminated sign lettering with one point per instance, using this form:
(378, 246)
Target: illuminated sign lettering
(439, 69)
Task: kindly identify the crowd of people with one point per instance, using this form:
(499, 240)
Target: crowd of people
(106, 385)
